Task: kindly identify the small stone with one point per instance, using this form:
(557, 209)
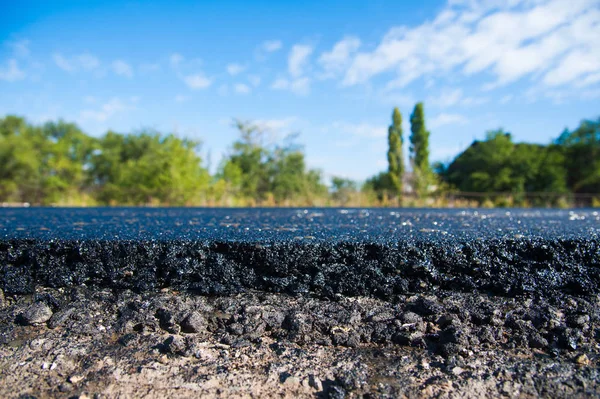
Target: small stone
(175, 345)
(163, 359)
(291, 381)
(2, 299)
(336, 392)
(74, 379)
(446, 320)
(193, 323)
(65, 387)
(457, 370)
(36, 313)
(381, 316)
(60, 317)
(315, 382)
(411, 317)
(582, 360)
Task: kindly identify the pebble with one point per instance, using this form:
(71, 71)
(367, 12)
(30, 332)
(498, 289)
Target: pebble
(74, 379)
(315, 382)
(291, 381)
(582, 360)
(60, 317)
(175, 344)
(193, 323)
(36, 313)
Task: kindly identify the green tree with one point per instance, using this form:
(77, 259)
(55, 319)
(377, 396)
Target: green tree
(501, 166)
(394, 154)
(342, 189)
(68, 159)
(20, 160)
(149, 168)
(256, 173)
(582, 154)
(244, 169)
(419, 152)
(379, 185)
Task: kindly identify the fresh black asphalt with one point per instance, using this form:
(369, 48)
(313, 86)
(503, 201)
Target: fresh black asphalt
(323, 252)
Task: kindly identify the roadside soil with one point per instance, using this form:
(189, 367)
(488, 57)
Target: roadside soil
(85, 342)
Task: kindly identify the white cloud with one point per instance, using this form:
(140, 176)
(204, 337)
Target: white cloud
(362, 130)
(275, 125)
(88, 61)
(576, 64)
(254, 80)
(281, 84)
(299, 86)
(235, 69)
(63, 63)
(242, 88)
(444, 119)
(175, 59)
(298, 58)
(149, 67)
(12, 72)
(447, 98)
(122, 68)
(336, 60)
(197, 81)
(20, 47)
(106, 110)
(271, 45)
(543, 39)
(85, 61)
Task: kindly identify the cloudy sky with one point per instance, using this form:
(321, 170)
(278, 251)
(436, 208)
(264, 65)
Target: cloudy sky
(331, 70)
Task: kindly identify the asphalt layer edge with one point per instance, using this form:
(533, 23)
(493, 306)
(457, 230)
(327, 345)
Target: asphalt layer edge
(507, 267)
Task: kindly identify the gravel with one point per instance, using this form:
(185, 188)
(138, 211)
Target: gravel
(447, 344)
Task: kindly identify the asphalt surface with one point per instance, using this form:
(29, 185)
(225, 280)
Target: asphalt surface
(326, 252)
(278, 225)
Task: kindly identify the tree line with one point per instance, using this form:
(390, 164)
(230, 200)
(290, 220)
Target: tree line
(495, 171)
(56, 163)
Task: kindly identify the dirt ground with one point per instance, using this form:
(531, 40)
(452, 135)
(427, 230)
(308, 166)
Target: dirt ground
(83, 342)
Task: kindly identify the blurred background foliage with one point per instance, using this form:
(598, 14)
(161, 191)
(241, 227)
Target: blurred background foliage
(58, 164)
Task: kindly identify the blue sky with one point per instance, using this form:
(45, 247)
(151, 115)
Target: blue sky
(331, 70)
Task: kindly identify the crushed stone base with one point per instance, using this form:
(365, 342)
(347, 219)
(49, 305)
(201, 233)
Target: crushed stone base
(84, 342)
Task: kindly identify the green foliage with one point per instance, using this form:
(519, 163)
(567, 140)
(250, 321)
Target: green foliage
(57, 163)
(42, 164)
(499, 165)
(394, 154)
(342, 190)
(264, 173)
(419, 140)
(380, 184)
(582, 154)
(423, 177)
(148, 168)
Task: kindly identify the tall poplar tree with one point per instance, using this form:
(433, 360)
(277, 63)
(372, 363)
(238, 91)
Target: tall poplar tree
(394, 154)
(419, 151)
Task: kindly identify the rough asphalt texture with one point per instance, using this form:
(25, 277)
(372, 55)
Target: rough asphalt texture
(377, 252)
(299, 303)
